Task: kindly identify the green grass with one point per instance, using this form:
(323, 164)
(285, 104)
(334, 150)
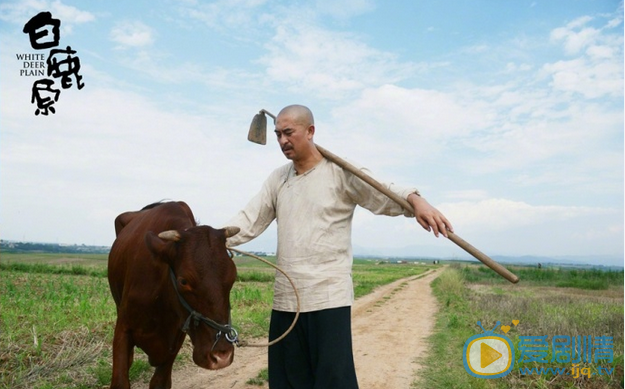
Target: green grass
(50, 323)
(254, 276)
(592, 279)
(251, 304)
(56, 259)
(260, 379)
(57, 316)
(44, 268)
(542, 306)
(367, 275)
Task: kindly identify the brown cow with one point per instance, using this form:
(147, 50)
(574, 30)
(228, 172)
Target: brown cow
(169, 284)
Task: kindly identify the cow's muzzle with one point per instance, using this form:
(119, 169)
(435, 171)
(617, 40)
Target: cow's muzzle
(225, 330)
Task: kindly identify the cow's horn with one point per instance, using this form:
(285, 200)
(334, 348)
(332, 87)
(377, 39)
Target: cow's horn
(171, 235)
(231, 231)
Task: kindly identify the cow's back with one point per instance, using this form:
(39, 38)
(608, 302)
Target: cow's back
(130, 262)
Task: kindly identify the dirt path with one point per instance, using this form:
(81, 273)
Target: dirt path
(389, 330)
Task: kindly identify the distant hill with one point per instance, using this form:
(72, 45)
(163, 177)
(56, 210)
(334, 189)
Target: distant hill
(8, 246)
(604, 261)
(432, 252)
(594, 260)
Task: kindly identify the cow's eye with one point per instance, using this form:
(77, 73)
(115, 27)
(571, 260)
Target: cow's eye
(183, 282)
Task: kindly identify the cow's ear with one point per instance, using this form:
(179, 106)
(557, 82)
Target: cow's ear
(163, 245)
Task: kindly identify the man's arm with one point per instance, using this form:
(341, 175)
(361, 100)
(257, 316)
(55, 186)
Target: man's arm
(429, 217)
(257, 215)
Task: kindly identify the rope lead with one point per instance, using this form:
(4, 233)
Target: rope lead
(244, 343)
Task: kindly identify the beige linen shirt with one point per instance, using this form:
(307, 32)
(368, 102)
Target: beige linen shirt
(314, 214)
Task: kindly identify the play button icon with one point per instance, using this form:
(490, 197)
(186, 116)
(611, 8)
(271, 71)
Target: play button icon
(488, 355)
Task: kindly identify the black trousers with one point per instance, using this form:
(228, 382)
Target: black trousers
(316, 354)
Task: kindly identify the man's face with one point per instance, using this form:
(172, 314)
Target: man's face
(293, 136)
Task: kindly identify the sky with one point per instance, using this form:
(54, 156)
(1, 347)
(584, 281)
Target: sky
(507, 115)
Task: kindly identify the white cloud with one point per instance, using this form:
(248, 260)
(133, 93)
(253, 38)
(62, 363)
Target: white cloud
(328, 63)
(513, 67)
(232, 16)
(395, 118)
(472, 194)
(591, 79)
(69, 14)
(132, 34)
(575, 41)
(600, 52)
(107, 151)
(343, 9)
(498, 225)
(20, 12)
(501, 214)
(597, 69)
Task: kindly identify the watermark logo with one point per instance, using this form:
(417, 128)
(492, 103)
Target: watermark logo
(567, 349)
(489, 355)
(62, 64)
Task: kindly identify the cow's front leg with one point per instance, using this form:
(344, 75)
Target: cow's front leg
(123, 350)
(162, 375)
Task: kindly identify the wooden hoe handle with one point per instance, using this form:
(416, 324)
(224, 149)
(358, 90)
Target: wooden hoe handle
(502, 271)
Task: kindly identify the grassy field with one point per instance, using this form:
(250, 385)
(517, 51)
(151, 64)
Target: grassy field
(547, 302)
(57, 319)
(57, 316)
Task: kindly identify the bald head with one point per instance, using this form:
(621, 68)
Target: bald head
(295, 129)
(299, 114)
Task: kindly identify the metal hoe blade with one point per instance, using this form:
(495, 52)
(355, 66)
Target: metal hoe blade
(258, 130)
(258, 127)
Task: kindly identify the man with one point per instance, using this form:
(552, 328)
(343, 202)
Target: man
(313, 202)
